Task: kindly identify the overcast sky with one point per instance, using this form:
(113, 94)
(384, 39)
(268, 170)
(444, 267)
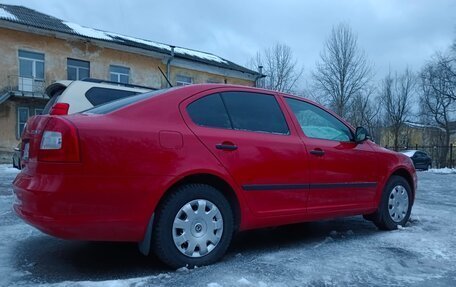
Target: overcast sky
(393, 33)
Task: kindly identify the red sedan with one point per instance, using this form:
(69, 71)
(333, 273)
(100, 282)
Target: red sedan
(181, 170)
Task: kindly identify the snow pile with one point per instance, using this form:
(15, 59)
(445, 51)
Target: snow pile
(102, 35)
(7, 15)
(140, 41)
(408, 153)
(88, 32)
(7, 168)
(444, 170)
(200, 55)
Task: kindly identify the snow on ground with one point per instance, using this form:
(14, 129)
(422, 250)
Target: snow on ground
(444, 170)
(341, 252)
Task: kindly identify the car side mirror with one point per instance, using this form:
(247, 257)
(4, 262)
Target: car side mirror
(361, 135)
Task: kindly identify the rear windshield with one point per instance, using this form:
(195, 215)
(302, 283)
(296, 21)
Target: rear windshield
(51, 102)
(117, 104)
(97, 96)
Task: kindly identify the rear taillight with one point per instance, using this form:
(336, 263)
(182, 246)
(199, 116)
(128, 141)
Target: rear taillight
(59, 109)
(59, 142)
(51, 140)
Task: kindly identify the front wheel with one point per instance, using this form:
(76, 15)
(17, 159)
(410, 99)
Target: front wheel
(395, 206)
(194, 226)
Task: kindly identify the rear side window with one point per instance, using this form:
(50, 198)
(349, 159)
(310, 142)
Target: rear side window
(255, 112)
(209, 111)
(97, 96)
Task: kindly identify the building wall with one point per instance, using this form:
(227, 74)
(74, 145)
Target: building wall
(8, 119)
(409, 137)
(143, 71)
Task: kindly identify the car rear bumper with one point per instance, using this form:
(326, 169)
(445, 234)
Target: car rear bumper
(83, 207)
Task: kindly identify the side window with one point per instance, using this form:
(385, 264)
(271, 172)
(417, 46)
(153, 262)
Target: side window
(98, 96)
(317, 123)
(209, 111)
(255, 112)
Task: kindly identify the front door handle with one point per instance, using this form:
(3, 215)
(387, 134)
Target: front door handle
(226, 146)
(317, 152)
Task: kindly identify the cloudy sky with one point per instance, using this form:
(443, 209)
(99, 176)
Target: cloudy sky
(393, 33)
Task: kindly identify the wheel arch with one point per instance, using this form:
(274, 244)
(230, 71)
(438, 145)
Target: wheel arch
(402, 172)
(215, 181)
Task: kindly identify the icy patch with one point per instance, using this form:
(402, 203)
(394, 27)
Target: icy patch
(199, 54)
(244, 281)
(7, 15)
(183, 269)
(444, 170)
(327, 240)
(87, 32)
(213, 284)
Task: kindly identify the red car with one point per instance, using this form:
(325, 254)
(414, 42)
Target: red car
(181, 170)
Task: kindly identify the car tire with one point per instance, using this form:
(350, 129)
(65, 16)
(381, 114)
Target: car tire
(185, 237)
(428, 167)
(395, 204)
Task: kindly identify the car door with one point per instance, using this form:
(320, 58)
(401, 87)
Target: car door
(249, 135)
(343, 173)
(420, 160)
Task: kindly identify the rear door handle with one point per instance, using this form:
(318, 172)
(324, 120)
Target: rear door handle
(225, 146)
(317, 152)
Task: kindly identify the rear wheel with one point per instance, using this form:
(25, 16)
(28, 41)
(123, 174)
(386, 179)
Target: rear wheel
(395, 205)
(194, 226)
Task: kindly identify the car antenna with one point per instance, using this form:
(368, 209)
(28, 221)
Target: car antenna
(165, 76)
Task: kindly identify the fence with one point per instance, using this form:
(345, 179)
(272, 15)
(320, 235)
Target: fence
(437, 153)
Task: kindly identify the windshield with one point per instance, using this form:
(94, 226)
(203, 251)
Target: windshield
(117, 104)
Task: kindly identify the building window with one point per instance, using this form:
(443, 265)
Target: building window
(31, 71)
(77, 69)
(22, 117)
(183, 80)
(214, 81)
(119, 74)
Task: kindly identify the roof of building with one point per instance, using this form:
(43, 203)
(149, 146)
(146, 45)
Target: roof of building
(451, 125)
(31, 18)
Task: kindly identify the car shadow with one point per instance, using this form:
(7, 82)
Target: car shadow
(47, 259)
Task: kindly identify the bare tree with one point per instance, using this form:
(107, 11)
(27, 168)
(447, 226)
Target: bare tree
(280, 67)
(437, 99)
(397, 96)
(343, 71)
(446, 65)
(365, 111)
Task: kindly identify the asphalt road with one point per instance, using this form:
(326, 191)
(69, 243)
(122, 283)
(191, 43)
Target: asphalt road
(348, 251)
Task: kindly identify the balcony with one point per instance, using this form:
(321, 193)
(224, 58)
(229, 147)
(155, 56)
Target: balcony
(23, 87)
